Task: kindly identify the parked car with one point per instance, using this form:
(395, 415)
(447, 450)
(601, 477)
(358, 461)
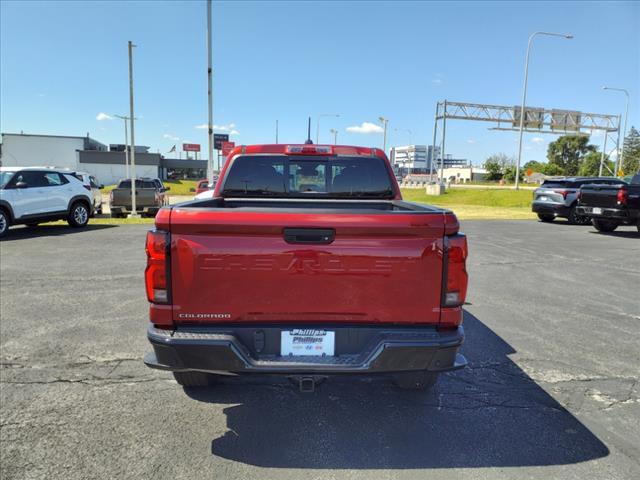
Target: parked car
(202, 186)
(32, 195)
(150, 197)
(609, 206)
(306, 263)
(92, 184)
(559, 198)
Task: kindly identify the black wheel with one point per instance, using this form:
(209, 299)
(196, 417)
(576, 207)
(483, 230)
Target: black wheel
(420, 380)
(78, 215)
(4, 223)
(575, 219)
(194, 379)
(546, 217)
(604, 225)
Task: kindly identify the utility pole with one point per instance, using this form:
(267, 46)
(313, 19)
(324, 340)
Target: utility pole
(134, 213)
(620, 155)
(276, 132)
(385, 123)
(210, 93)
(433, 145)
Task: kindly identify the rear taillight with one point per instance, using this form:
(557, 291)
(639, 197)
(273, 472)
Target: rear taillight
(156, 275)
(622, 196)
(455, 274)
(564, 193)
(309, 150)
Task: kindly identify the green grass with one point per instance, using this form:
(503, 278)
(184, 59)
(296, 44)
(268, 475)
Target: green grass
(176, 187)
(478, 203)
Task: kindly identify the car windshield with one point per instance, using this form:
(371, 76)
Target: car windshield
(5, 177)
(293, 176)
(557, 184)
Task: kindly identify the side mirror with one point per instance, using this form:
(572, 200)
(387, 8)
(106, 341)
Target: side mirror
(21, 185)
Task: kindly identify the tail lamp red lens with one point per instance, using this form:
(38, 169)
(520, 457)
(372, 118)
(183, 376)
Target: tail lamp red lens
(623, 196)
(157, 273)
(564, 193)
(456, 271)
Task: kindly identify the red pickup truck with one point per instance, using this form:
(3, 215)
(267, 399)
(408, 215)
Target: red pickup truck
(306, 262)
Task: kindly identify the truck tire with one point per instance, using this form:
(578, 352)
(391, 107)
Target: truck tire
(575, 219)
(193, 379)
(546, 217)
(421, 380)
(78, 215)
(604, 225)
(4, 222)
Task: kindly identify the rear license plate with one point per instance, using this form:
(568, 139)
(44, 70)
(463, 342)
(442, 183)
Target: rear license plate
(596, 210)
(307, 342)
(543, 198)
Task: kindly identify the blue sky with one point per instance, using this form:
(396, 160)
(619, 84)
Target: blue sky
(64, 63)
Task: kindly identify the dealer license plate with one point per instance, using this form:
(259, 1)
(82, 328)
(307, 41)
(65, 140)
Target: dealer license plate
(307, 342)
(596, 210)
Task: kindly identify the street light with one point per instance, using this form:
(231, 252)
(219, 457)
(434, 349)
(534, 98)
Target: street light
(318, 123)
(335, 135)
(624, 130)
(524, 94)
(132, 117)
(385, 122)
(407, 131)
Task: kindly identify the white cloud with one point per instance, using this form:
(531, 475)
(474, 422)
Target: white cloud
(234, 132)
(471, 141)
(220, 128)
(538, 140)
(103, 116)
(168, 136)
(365, 127)
(438, 80)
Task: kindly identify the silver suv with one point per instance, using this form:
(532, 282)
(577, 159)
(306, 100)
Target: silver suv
(558, 197)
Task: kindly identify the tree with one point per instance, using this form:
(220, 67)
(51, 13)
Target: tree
(534, 165)
(496, 164)
(631, 160)
(510, 174)
(552, 170)
(568, 151)
(590, 166)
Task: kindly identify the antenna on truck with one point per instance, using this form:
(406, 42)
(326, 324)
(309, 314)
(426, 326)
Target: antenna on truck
(308, 141)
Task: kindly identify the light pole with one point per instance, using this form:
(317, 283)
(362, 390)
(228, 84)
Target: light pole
(335, 135)
(276, 132)
(624, 129)
(407, 131)
(385, 123)
(318, 123)
(134, 213)
(209, 95)
(524, 95)
(126, 144)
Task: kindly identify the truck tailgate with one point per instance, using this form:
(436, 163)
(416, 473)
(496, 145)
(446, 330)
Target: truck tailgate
(145, 197)
(231, 266)
(600, 196)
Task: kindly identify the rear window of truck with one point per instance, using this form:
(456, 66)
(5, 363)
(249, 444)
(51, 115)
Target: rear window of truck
(139, 184)
(305, 177)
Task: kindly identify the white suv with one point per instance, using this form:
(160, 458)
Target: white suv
(91, 183)
(31, 195)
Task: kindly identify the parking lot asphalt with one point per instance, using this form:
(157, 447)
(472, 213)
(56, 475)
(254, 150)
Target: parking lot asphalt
(553, 329)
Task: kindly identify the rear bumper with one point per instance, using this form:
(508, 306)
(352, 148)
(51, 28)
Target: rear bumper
(125, 210)
(606, 213)
(233, 350)
(558, 209)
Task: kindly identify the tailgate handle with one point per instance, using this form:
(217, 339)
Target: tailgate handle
(319, 236)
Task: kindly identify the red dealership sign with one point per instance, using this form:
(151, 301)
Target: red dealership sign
(190, 147)
(227, 147)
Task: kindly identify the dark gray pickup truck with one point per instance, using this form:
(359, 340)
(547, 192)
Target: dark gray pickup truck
(610, 206)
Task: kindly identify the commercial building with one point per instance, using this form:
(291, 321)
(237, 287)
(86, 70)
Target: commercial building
(107, 164)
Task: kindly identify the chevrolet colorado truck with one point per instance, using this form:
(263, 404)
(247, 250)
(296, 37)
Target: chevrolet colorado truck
(306, 262)
(609, 206)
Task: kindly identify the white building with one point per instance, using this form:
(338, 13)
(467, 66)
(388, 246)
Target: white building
(88, 155)
(412, 158)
